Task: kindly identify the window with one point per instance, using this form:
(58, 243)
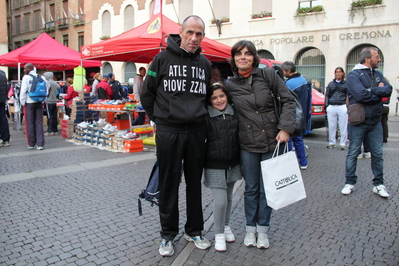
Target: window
(221, 8)
(185, 9)
(26, 42)
(16, 3)
(311, 63)
(353, 58)
(81, 40)
(37, 21)
(129, 18)
(52, 12)
(81, 7)
(265, 54)
(27, 22)
(65, 7)
(261, 6)
(18, 25)
(130, 71)
(107, 68)
(309, 3)
(17, 45)
(106, 21)
(65, 40)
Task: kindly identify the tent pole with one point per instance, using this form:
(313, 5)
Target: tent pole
(19, 72)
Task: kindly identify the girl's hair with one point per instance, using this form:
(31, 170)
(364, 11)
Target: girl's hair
(97, 75)
(340, 68)
(69, 81)
(215, 86)
(238, 46)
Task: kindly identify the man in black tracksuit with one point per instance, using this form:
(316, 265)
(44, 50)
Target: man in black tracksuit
(173, 95)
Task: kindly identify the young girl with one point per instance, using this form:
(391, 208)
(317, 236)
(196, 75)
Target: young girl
(222, 168)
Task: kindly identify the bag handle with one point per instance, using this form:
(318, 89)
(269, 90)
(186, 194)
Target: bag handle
(277, 149)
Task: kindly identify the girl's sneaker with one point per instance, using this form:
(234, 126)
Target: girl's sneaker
(220, 242)
(228, 234)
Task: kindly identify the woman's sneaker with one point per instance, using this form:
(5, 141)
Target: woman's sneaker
(228, 234)
(220, 242)
(250, 239)
(166, 248)
(263, 241)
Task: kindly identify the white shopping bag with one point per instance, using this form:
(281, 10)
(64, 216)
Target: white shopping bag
(282, 179)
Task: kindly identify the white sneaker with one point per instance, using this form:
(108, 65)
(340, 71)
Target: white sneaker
(228, 234)
(166, 248)
(347, 189)
(199, 241)
(381, 190)
(220, 242)
(367, 155)
(360, 156)
(263, 241)
(250, 239)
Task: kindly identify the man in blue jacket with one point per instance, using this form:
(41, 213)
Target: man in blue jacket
(299, 85)
(367, 86)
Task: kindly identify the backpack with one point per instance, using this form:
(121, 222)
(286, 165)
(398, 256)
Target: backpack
(299, 115)
(101, 93)
(38, 90)
(151, 192)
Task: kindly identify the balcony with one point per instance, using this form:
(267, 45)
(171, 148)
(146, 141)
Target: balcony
(50, 26)
(63, 23)
(79, 20)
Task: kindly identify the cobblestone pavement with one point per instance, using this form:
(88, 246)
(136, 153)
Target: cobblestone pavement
(77, 205)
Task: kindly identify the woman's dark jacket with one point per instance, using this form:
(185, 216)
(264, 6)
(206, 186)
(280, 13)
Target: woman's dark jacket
(222, 145)
(336, 93)
(253, 102)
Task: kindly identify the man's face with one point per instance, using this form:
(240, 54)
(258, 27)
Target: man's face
(375, 59)
(27, 69)
(286, 73)
(143, 71)
(192, 35)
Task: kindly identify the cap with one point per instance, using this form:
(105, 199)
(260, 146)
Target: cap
(110, 75)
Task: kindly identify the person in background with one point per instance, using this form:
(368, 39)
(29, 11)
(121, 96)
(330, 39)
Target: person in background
(298, 84)
(367, 86)
(181, 129)
(51, 105)
(137, 86)
(316, 85)
(4, 128)
(335, 101)
(222, 164)
(97, 78)
(86, 88)
(104, 90)
(33, 110)
(384, 118)
(117, 90)
(259, 133)
(71, 93)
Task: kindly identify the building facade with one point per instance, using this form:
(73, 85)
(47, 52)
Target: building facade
(317, 35)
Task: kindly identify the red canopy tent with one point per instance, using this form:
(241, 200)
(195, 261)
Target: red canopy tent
(142, 43)
(46, 53)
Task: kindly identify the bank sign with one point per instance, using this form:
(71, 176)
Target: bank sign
(307, 39)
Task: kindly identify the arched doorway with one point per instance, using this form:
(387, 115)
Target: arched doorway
(311, 63)
(353, 57)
